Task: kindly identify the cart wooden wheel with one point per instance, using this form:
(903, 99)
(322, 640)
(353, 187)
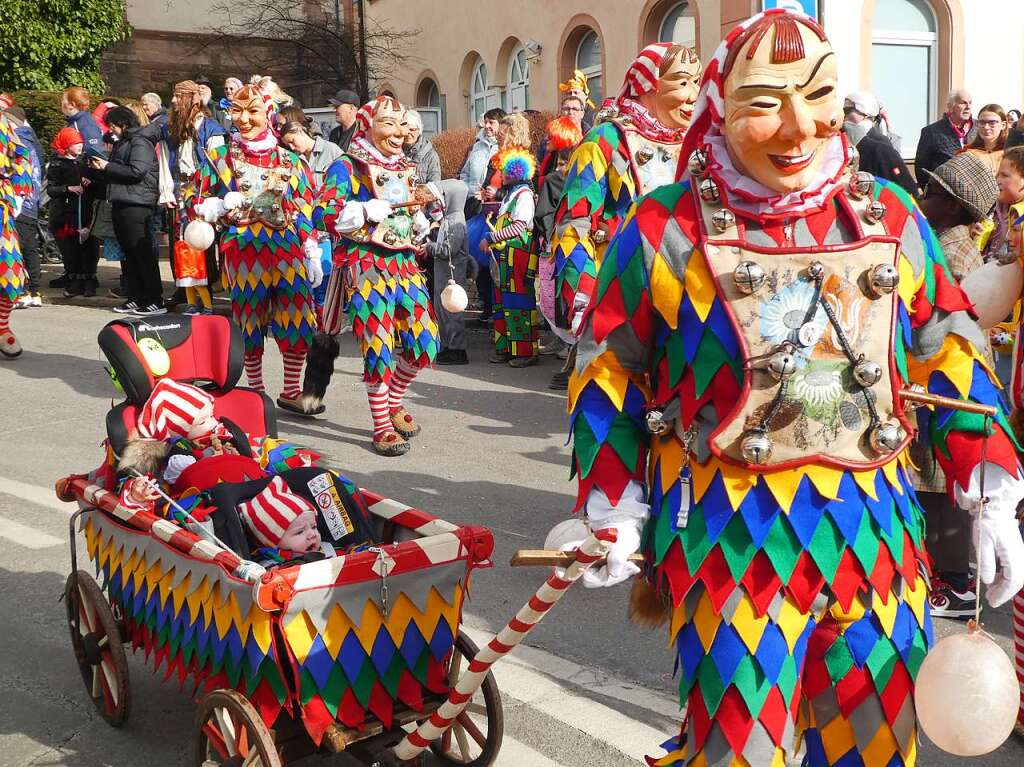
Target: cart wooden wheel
(230, 733)
(96, 639)
(474, 739)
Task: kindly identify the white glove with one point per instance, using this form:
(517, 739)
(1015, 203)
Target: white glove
(176, 464)
(233, 200)
(420, 226)
(211, 210)
(627, 519)
(314, 270)
(579, 305)
(376, 210)
(352, 217)
(997, 536)
(19, 202)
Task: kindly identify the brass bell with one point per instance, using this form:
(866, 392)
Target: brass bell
(816, 270)
(782, 364)
(382, 179)
(874, 212)
(656, 423)
(853, 157)
(756, 447)
(709, 190)
(749, 276)
(723, 219)
(883, 279)
(245, 186)
(698, 162)
(861, 185)
(867, 373)
(644, 155)
(885, 438)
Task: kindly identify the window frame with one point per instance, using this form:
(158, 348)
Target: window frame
(519, 56)
(593, 71)
(685, 5)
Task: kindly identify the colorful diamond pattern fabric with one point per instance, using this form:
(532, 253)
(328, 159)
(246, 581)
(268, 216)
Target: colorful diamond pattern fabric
(801, 579)
(516, 322)
(15, 183)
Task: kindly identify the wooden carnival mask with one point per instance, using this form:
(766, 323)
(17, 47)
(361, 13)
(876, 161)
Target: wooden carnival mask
(389, 127)
(781, 105)
(249, 113)
(678, 86)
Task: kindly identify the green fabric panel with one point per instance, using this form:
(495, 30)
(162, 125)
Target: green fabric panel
(783, 548)
(737, 547)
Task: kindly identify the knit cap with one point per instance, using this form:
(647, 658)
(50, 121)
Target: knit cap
(270, 512)
(173, 410)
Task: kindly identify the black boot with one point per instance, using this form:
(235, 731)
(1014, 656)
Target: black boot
(60, 282)
(75, 286)
(89, 286)
(319, 368)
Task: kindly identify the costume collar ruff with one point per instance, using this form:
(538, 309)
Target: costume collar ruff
(364, 150)
(263, 145)
(647, 124)
(750, 198)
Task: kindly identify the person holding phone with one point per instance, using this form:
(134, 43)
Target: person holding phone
(132, 178)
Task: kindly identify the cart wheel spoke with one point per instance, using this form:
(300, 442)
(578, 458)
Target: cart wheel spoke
(111, 679)
(243, 741)
(227, 730)
(252, 760)
(87, 614)
(103, 642)
(453, 669)
(476, 708)
(213, 738)
(446, 741)
(97, 684)
(472, 729)
(460, 737)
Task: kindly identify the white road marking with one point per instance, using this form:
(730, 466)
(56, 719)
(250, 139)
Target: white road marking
(26, 536)
(516, 754)
(40, 496)
(544, 682)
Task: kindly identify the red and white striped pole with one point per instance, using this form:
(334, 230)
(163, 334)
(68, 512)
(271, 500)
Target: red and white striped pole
(1018, 653)
(590, 551)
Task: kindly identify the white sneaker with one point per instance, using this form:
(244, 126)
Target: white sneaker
(37, 301)
(23, 302)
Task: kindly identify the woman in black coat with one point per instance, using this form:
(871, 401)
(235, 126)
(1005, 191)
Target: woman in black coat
(132, 179)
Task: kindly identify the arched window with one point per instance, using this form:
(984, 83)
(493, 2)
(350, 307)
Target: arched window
(588, 61)
(478, 93)
(904, 65)
(518, 80)
(679, 26)
(430, 105)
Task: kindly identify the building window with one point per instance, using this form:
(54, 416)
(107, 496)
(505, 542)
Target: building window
(588, 61)
(518, 81)
(430, 105)
(478, 93)
(679, 26)
(904, 66)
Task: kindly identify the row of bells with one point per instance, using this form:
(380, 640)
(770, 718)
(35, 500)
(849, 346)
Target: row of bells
(881, 280)
(861, 185)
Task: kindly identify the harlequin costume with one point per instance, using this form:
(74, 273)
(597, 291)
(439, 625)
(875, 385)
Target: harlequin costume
(516, 329)
(15, 186)
(628, 153)
(370, 197)
(725, 421)
(262, 195)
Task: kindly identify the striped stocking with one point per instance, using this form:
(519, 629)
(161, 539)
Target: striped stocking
(1018, 647)
(5, 315)
(292, 374)
(254, 369)
(400, 380)
(377, 394)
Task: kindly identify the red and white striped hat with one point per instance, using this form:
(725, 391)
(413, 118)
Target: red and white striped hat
(645, 71)
(269, 514)
(173, 409)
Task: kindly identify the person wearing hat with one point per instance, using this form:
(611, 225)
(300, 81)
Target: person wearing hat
(878, 156)
(206, 98)
(346, 105)
(959, 193)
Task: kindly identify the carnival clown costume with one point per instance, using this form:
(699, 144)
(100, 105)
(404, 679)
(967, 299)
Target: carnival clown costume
(634, 150)
(514, 261)
(371, 198)
(736, 416)
(15, 186)
(261, 195)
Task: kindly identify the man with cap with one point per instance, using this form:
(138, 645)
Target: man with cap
(346, 104)
(206, 97)
(878, 156)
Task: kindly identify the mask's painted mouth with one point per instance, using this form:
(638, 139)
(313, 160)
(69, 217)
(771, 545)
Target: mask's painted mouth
(791, 164)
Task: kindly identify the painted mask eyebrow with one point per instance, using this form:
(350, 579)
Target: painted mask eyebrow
(770, 87)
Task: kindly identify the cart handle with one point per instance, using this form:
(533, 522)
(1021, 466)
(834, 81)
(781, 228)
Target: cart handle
(553, 558)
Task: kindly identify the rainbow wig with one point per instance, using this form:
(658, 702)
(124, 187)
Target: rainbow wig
(563, 133)
(516, 165)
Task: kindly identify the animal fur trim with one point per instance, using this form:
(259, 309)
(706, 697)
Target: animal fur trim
(648, 607)
(145, 456)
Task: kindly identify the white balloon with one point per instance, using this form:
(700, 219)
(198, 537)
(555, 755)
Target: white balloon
(993, 289)
(199, 235)
(454, 298)
(966, 695)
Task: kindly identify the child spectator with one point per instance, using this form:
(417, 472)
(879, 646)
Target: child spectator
(70, 211)
(451, 261)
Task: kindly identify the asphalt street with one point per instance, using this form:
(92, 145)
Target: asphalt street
(590, 689)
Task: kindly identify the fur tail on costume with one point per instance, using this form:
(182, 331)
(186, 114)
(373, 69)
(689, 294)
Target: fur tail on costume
(319, 368)
(647, 606)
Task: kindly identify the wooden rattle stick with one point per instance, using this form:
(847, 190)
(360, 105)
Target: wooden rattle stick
(552, 558)
(924, 398)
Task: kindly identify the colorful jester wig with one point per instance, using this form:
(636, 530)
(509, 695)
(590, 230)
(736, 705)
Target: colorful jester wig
(516, 166)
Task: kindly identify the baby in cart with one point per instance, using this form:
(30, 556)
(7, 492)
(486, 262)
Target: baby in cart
(182, 451)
